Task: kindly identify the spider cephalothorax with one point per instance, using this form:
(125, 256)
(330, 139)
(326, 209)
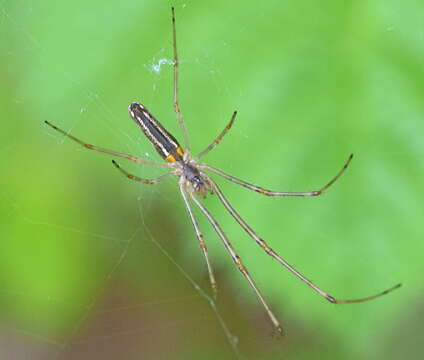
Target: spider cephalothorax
(195, 179)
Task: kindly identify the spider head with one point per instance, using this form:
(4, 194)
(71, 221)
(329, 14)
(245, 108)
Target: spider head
(195, 180)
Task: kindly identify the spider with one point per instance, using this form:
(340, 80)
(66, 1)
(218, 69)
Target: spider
(194, 181)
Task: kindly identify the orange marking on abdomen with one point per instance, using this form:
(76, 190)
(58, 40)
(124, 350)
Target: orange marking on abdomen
(180, 151)
(170, 158)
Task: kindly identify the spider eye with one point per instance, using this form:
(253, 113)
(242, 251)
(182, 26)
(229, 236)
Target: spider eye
(197, 182)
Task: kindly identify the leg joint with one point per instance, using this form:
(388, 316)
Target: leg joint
(239, 264)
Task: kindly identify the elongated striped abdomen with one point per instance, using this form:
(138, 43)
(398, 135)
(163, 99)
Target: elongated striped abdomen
(165, 144)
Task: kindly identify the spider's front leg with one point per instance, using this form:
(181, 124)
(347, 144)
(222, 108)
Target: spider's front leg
(199, 235)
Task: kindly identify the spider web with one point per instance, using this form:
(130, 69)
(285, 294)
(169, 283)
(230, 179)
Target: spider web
(23, 340)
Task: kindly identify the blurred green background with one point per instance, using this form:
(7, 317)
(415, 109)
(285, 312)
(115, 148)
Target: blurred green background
(94, 266)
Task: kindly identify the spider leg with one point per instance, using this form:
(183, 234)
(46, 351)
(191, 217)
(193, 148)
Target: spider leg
(201, 240)
(237, 261)
(263, 191)
(143, 180)
(217, 139)
(261, 242)
(110, 152)
(177, 108)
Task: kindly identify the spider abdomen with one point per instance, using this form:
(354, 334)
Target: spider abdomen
(165, 144)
